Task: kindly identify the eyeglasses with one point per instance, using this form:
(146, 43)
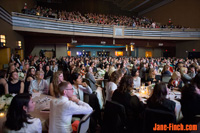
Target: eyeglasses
(69, 89)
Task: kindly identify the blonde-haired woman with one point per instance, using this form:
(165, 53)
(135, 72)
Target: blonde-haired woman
(184, 75)
(176, 81)
(57, 79)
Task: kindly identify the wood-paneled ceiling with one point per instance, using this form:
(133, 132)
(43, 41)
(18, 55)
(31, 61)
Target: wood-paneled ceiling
(139, 6)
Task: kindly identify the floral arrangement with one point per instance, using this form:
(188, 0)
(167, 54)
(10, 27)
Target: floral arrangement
(21, 74)
(101, 72)
(5, 101)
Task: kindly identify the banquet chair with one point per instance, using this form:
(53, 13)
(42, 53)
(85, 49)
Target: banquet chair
(166, 78)
(152, 116)
(84, 123)
(114, 120)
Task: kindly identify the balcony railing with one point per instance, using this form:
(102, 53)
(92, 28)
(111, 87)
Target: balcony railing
(25, 22)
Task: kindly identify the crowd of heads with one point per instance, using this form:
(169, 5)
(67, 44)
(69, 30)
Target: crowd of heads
(94, 18)
(120, 70)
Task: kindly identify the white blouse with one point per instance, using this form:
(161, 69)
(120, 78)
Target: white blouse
(110, 87)
(136, 82)
(35, 127)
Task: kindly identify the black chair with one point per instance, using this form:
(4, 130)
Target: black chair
(152, 116)
(114, 118)
(166, 78)
(84, 123)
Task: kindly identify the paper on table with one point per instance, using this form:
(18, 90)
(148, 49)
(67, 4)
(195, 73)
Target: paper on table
(36, 94)
(177, 92)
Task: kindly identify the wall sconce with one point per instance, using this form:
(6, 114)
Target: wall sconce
(126, 47)
(68, 46)
(3, 40)
(132, 48)
(19, 44)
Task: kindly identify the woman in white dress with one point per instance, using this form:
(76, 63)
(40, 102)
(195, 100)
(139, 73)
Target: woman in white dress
(136, 79)
(18, 119)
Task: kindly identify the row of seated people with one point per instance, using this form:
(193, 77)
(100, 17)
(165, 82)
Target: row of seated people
(97, 18)
(77, 79)
(135, 112)
(147, 70)
(134, 107)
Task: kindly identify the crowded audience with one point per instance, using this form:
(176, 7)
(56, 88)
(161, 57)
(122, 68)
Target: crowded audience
(94, 18)
(119, 84)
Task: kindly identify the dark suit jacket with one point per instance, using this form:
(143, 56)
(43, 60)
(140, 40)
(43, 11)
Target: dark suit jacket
(47, 74)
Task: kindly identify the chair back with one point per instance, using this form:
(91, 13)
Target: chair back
(152, 116)
(84, 123)
(166, 78)
(114, 120)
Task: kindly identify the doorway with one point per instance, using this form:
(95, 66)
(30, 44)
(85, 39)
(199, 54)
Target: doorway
(148, 54)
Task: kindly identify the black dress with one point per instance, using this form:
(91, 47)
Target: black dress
(134, 109)
(2, 91)
(49, 74)
(165, 105)
(154, 80)
(14, 88)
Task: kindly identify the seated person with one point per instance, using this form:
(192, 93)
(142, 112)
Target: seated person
(14, 84)
(90, 76)
(166, 71)
(18, 118)
(80, 87)
(39, 84)
(48, 73)
(136, 78)
(62, 109)
(30, 76)
(111, 86)
(110, 71)
(82, 71)
(153, 78)
(190, 98)
(54, 66)
(175, 82)
(184, 75)
(57, 79)
(3, 83)
(133, 106)
(158, 99)
(11, 68)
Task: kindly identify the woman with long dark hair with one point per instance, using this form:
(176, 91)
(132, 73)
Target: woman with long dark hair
(133, 106)
(136, 79)
(80, 87)
(18, 117)
(14, 84)
(158, 99)
(30, 76)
